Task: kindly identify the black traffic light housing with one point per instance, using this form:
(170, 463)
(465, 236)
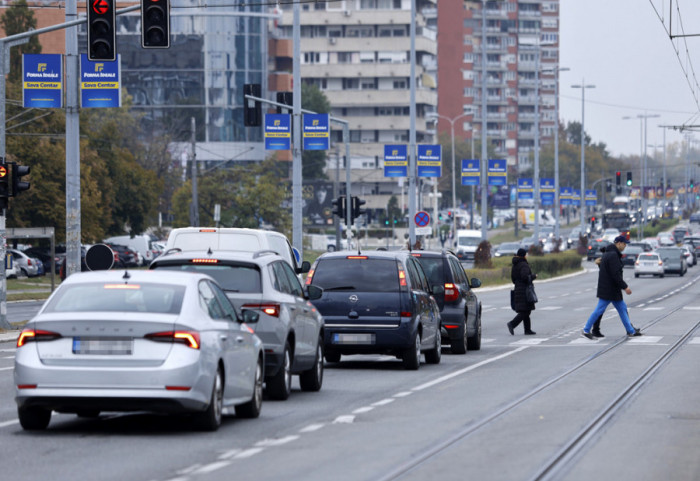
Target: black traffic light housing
(339, 206)
(618, 179)
(155, 23)
(357, 203)
(252, 109)
(629, 178)
(15, 173)
(101, 30)
(4, 179)
(285, 98)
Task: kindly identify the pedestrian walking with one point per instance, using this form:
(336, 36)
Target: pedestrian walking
(610, 287)
(522, 277)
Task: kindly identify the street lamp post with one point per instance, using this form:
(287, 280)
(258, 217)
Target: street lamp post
(583, 88)
(454, 172)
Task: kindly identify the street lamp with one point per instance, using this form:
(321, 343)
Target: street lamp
(583, 88)
(452, 130)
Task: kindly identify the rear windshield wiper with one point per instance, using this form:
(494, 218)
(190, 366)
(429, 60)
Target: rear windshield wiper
(339, 288)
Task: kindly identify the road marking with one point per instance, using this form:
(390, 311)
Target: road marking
(406, 393)
(229, 454)
(645, 340)
(584, 341)
(550, 308)
(363, 410)
(276, 442)
(311, 428)
(529, 342)
(695, 340)
(346, 419)
(467, 369)
(247, 453)
(654, 308)
(6, 368)
(384, 402)
(211, 467)
(9, 423)
(692, 308)
(8, 357)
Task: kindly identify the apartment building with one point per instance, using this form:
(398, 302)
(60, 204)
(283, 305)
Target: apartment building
(358, 53)
(521, 54)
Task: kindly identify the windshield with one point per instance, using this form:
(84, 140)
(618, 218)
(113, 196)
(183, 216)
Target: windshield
(377, 275)
(469, 241)
(232, 278)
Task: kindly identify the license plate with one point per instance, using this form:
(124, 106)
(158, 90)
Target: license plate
(112, 347)
(353, 338)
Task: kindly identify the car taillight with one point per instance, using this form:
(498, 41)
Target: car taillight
(29, 262)
(402, 278)
(188, 338)
(29, 335)
(661, 263)
(451, 292)
(269, 309)
(309, 277)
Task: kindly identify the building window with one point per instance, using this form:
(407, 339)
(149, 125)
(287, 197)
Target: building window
(344, 57)
(351, 84)
(399, 84)
(468, 57)
(468, 92)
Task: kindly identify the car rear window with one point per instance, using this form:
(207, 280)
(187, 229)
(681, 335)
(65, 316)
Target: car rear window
(105, 297)
(343, 274)
(231, 278)
(434, 269)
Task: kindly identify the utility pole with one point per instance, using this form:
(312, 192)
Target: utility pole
(194, 210)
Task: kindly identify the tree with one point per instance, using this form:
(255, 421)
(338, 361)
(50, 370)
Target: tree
(19, 19)
(314, 161)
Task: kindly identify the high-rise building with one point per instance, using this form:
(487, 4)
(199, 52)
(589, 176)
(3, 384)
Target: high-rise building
(521, 55)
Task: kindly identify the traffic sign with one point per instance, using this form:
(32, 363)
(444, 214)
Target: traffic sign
(424, 230)
(422, 218)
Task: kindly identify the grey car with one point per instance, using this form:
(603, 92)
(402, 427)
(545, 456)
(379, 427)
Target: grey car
(674, 260)
(138, 341)
(26, 266)
(289, 326)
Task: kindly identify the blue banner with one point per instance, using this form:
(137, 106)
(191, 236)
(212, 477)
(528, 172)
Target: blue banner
(591, 197)
(576, 198)
(316, 131)
(547, 191)
(471, 172)
(429, 160)
(42, 81)
(497, 172)
(99, 83)
(395, 161)
(565, 195)
(526, 189)
(278, 132)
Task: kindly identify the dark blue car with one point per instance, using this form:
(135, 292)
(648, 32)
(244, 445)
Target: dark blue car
(377, 302)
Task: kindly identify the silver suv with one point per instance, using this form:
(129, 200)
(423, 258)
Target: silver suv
(289, 326)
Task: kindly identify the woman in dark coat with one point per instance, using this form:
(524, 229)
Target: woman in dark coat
(522, 276)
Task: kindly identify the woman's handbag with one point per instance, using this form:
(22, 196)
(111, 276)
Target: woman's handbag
(512, 299)
(530, 294)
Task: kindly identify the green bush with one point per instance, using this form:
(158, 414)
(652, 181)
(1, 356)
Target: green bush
(546, 267)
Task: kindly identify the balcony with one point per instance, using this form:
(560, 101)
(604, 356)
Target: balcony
(375, 98)
(368, 44)
(358, 70)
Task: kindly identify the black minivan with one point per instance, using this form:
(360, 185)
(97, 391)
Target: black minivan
(377, 302)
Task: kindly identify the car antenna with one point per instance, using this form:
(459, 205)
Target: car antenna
(126, 276)
(209, 252)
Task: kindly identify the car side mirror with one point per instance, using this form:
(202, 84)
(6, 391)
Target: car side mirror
(305, 267)
(475, 282)
(249, 316)
(313, 292)
(438, 289)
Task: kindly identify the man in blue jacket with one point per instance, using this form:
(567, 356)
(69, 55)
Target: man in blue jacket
(610, 287)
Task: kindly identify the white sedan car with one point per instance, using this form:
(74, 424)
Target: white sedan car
(118, 340)
(649, 263)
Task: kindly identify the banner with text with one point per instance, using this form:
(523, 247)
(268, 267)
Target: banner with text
(278, 132)
(471, 172)
(497, 172)
(395, 161)
(316, 131)
(42, 81)
(576, 197)
(526, 190)
(591, 197)
(99, 83)
(429, 160)
(565, 195)
(547, 191)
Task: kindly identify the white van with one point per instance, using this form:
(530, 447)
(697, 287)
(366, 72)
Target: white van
(467, 242)
(140, 243)
(234, 239)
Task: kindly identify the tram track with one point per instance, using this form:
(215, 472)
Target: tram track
(562, 459)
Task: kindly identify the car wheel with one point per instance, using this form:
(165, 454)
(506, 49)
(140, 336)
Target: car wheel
(210, 419)
(252, 408)
(661, 276)
(459, 345)
(332, 356)
(636, 275)
(34, 419)
(280, 385)
(474, 342)
(411, 355)
(312, 380)
(435, 354)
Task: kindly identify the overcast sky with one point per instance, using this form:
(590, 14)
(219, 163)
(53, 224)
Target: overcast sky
(621, 47)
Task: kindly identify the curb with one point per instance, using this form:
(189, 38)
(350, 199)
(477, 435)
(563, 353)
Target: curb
(9, 336)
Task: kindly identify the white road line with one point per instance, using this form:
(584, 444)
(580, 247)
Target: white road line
(247, 453)
(211, 467)
(363, 410)
(6, 368)
(9, 423)
(692, 308)
(645, 340)
(311, 428)
(276, 442)
(405, 393)
(529, 342)
(8, 357)
(383, 402)
(695, 340)
(467, 369)
(346, 419)
(549, 308)
(229, 454)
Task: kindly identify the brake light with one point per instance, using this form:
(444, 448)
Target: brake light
(309, 277)
(204, 261)
(29, 262)
(188, 338)
(356, 257)
(451, 292)
(29, 335)
(406, 314)
(415, 255)
(207, 230)
(122, 286)
(269, 309)
(402, 277)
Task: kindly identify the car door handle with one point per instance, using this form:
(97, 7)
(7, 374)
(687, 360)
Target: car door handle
(223, 337)
(240, 339)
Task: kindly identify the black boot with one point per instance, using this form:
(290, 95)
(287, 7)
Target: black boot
(597, 333)
(530, 333)
(510, 328)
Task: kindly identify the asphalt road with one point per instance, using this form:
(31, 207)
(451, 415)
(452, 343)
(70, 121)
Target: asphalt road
(501, 413)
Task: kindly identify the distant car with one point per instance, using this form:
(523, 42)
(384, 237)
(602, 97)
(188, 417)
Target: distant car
(674, 260)
(680, 232)
(666, 239)
(26, 266)
(630, 254)
(377, 302)
(646, 247)
(689, 254)
(610, 234)
(572, 240)
(507, 249)
(594, 248)
(649, 263)
(694, 217)
(138, 341)
(44, 255)
(528, 242)
(263, 282)
(11, 272)
(460, 309)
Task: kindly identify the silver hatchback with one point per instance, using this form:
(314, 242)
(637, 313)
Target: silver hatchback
(138, 341)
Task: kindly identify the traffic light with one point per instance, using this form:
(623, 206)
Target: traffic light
(285, 98)
(252, 109)
(592, 223)
(101, 30)
(4, 180)
(339, 207)
(692, 183)
(357, 203)
(15, 183)
(629, 179)
(618, 179)
(155, 23)
(608, 186)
